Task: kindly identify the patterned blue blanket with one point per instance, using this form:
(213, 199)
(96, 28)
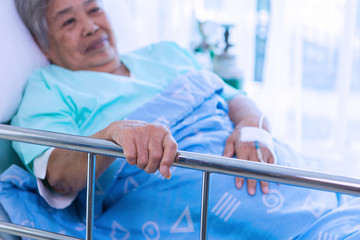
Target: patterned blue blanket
(131, 204)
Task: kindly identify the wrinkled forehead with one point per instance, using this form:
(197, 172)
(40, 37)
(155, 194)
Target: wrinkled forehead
(57, 8)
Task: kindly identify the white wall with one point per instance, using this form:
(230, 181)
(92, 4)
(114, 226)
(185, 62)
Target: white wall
(141, 22)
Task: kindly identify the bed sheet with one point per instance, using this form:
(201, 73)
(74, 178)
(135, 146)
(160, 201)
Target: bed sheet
(131, 204)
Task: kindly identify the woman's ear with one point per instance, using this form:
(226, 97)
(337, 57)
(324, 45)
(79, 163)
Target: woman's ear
(46, 52)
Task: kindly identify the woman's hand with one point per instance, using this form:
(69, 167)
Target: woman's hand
(243, 112)
(247, 151)
(148, 146)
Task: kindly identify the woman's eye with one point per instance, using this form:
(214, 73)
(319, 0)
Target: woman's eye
(94, 10)
(68, 22)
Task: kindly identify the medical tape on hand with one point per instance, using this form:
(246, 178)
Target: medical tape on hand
(252, 134)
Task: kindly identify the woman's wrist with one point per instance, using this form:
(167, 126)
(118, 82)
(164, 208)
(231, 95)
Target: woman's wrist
(258, 120)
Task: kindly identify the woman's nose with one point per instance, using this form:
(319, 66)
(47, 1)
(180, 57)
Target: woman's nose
(90, 27)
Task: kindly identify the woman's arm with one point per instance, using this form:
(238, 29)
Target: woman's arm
(148, 146)
(244, 113)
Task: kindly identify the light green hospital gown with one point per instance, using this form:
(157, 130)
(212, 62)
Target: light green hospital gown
(84, 102)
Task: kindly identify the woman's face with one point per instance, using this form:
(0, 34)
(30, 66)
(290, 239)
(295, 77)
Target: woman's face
(80, 36)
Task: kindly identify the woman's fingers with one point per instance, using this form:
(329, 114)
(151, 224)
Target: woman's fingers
(239, 182)
(251, 186)
(267, 158)
(264, 187)
(162, 152)
(169, 155)
(251, 183)
(155, 149)
(130, 152)
(142, 142)
(267, 155)
(247, 151)
(148, 146)
(244, 151)
(229, 150)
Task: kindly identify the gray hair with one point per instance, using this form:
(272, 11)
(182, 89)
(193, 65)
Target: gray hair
(33, 15)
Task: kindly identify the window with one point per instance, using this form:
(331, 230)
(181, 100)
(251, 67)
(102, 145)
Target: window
(311, 80)
(300, 61)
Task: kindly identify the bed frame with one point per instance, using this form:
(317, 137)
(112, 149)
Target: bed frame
(206, 163)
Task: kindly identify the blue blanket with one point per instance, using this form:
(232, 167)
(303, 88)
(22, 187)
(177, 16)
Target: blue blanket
(131, 204)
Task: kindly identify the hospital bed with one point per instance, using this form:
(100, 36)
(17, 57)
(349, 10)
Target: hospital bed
(206, 163)
(22, 54)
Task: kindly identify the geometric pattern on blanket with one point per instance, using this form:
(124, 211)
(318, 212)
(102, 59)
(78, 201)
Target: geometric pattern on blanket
(131, 204)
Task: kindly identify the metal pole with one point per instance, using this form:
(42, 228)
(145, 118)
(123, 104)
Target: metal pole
(90, 196)
(269, 172)
(32, 233)
(204, 205)
(210, 163)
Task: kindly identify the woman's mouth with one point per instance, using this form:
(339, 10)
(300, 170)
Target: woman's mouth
(96, 44)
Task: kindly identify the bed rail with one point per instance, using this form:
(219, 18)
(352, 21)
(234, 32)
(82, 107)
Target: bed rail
(206, 163)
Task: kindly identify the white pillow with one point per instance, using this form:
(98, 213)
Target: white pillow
(19, 57)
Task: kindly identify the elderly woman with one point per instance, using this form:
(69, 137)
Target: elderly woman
(91, 90)
(77, 36)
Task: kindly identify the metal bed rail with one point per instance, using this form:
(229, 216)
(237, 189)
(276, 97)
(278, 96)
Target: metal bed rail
(206, 163)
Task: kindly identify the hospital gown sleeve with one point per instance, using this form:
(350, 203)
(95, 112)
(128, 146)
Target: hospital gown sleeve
(43, 107)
